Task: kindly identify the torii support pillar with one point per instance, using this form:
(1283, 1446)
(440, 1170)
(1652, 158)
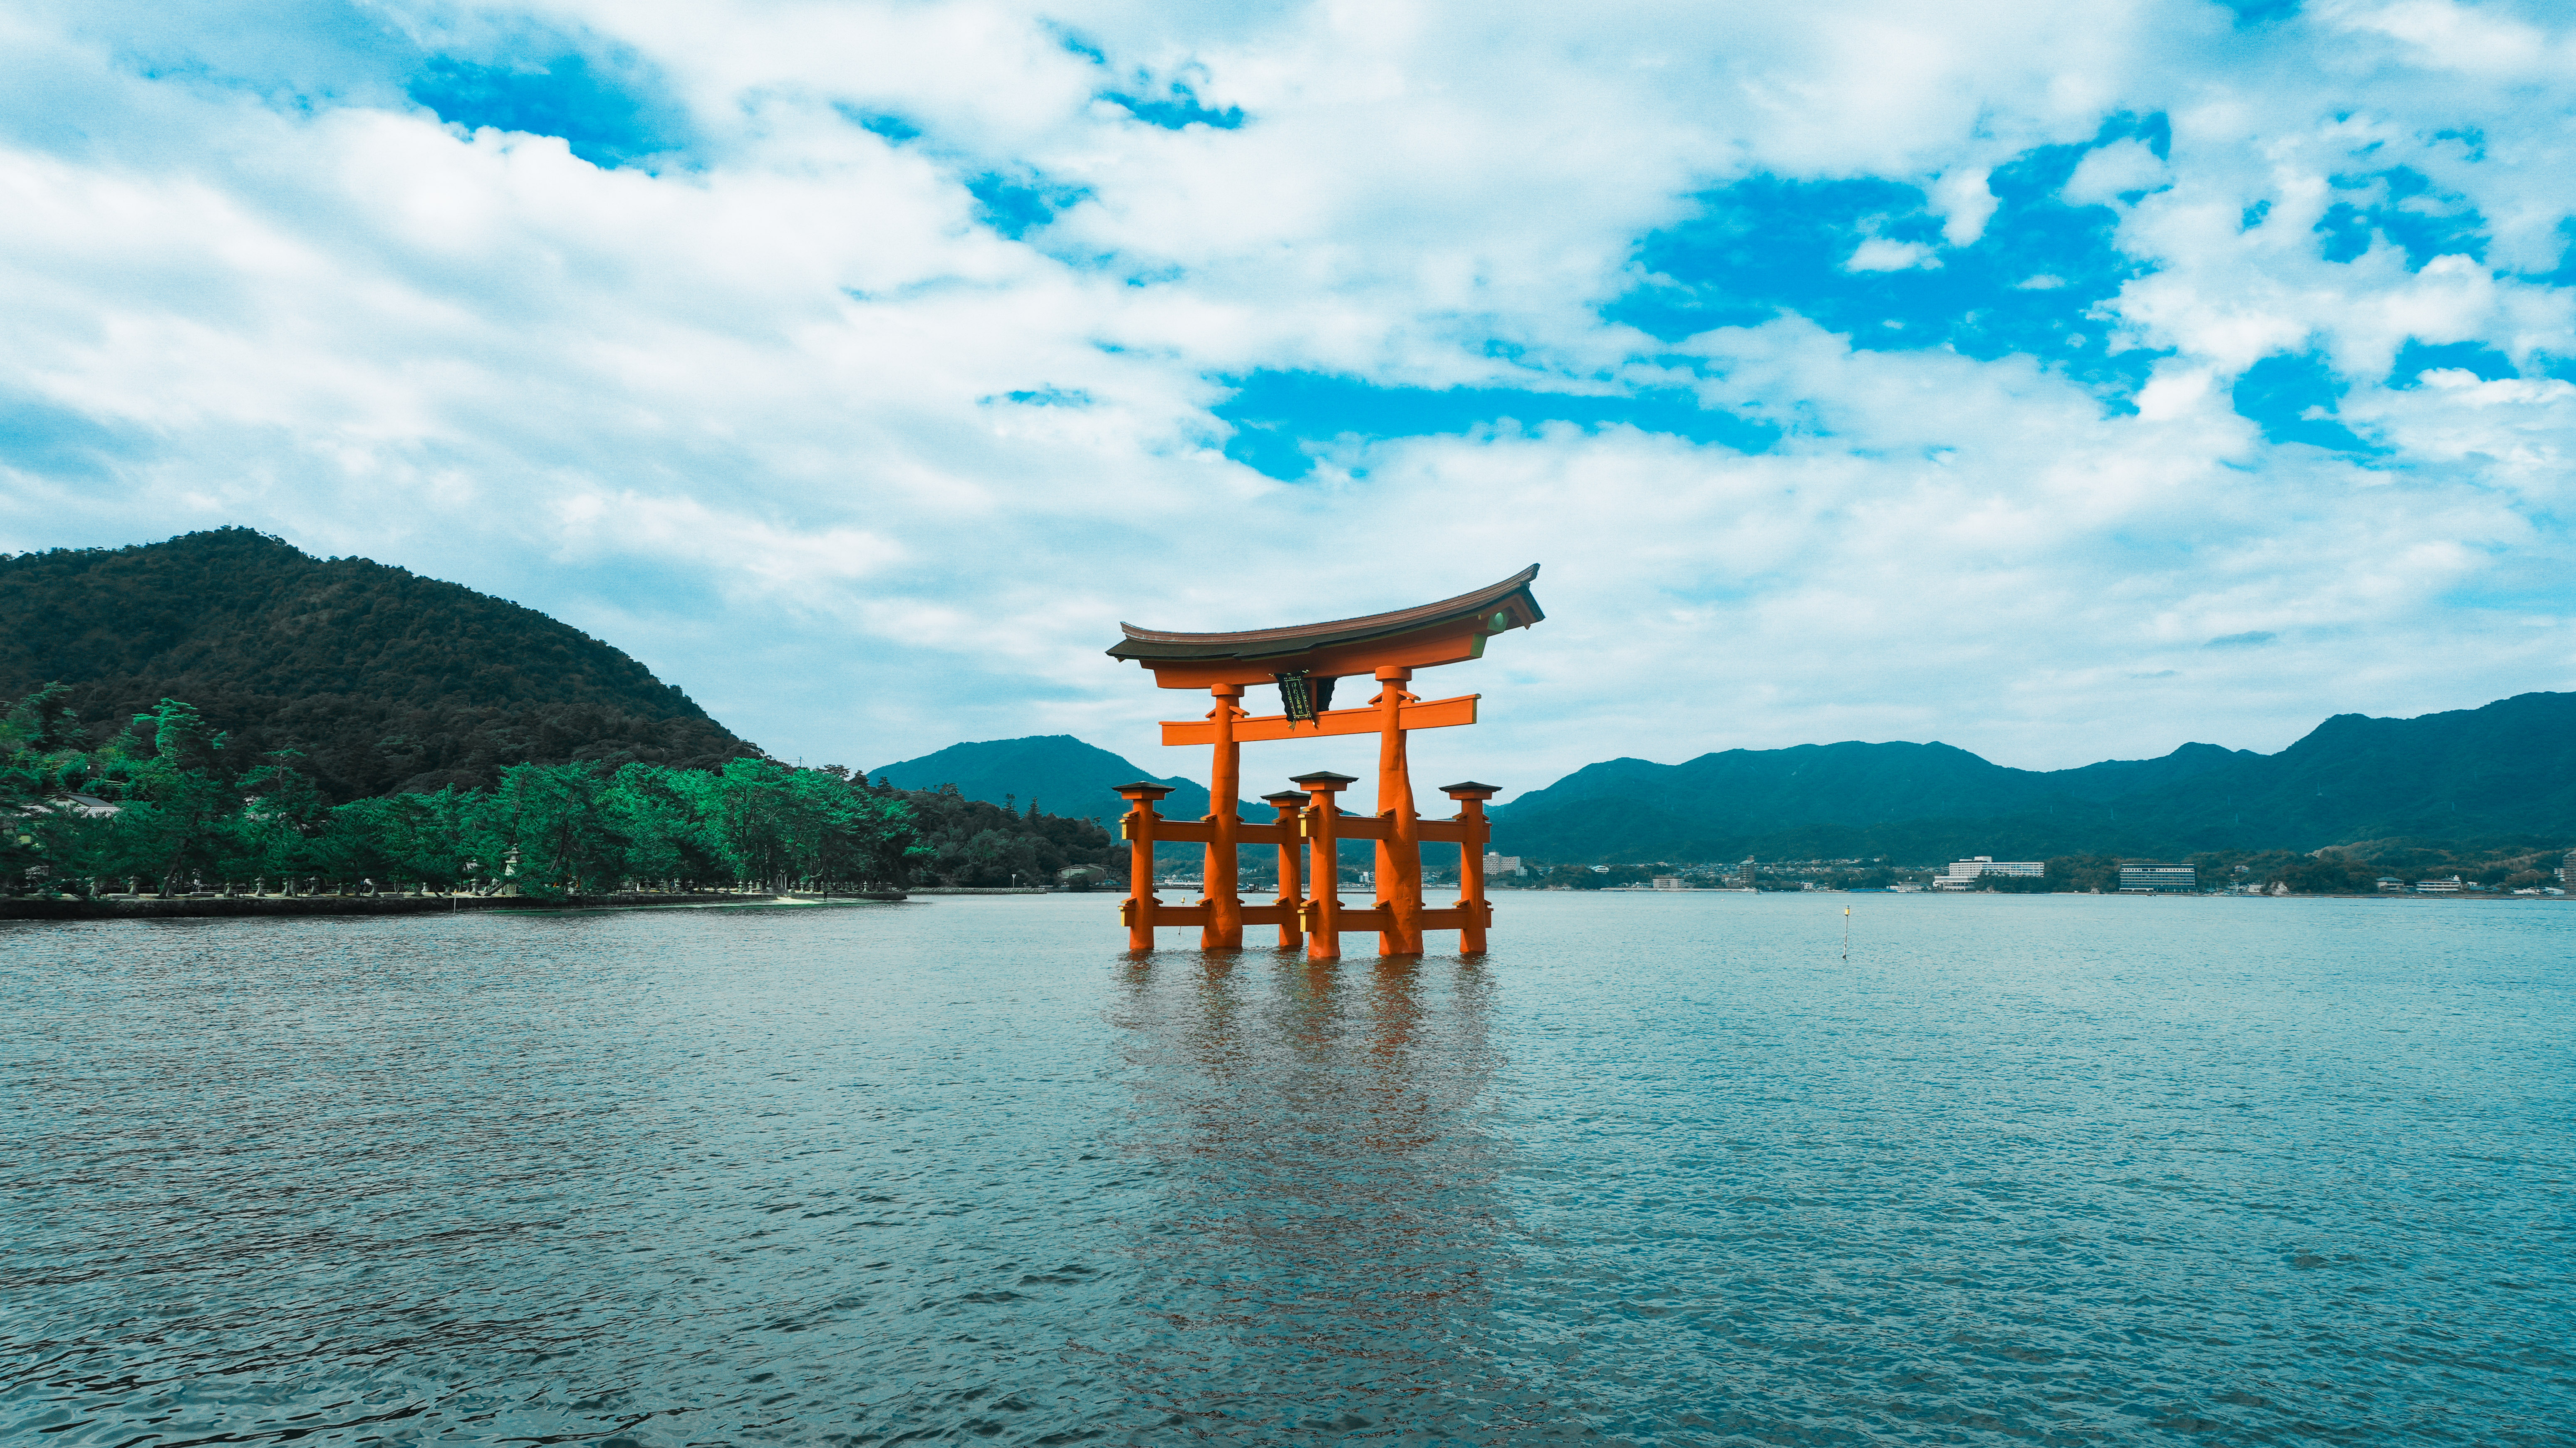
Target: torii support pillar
(1399, 842)
(1292, 894)
(1224, 927)
(1472, 834)
(1323, 836)
(1138, 826)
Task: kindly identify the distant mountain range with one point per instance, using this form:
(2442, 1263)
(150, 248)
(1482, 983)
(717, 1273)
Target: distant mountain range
(385, 681)
(2508, 769)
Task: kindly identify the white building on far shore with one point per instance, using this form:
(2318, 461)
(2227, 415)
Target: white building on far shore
(1962, 874)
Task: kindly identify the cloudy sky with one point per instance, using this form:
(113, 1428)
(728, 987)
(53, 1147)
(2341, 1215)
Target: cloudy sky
(2063, 382)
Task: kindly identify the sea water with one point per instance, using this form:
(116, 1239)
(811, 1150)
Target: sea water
(1660, 1169)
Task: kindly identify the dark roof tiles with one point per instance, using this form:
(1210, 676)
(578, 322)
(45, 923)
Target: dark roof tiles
(1145, 643)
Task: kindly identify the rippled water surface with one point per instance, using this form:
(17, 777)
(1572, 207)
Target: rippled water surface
(1661, 1169)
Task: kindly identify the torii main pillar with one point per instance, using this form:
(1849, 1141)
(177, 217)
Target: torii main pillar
(1304, 662)
(1399, 851)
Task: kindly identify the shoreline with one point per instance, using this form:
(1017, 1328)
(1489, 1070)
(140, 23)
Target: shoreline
(236, 906)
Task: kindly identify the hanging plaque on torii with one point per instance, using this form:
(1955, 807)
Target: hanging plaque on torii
(1303, 663)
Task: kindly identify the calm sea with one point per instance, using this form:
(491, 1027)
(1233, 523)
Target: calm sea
(1661, 1169)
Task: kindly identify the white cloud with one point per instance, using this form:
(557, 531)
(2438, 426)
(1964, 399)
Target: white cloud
(2475, 40)
(1878, 254)
(2110, 171)
(2174, 392)
(753, 417)
(1965, 202)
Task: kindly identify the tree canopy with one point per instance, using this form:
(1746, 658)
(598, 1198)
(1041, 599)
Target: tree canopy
(174, 808)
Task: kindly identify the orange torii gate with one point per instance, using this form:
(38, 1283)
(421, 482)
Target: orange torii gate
(1304, 662)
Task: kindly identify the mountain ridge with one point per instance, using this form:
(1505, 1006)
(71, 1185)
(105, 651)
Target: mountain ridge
(2507, 768)
(1855, 783)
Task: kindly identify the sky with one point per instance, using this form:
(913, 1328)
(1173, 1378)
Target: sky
(2061, 382)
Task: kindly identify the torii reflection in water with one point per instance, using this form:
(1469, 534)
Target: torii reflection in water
(1328, 1228)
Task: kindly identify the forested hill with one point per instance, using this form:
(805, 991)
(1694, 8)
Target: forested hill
(2508, 769)
(384, 681)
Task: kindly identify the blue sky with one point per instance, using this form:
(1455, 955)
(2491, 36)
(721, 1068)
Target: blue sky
(2061, 382)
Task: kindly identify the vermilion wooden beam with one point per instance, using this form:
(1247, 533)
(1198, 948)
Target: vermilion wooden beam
(1431, 714)
(1347, 826)
(1203, 915)
(1202, 832)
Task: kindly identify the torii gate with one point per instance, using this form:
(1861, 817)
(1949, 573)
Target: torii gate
(1304, 662)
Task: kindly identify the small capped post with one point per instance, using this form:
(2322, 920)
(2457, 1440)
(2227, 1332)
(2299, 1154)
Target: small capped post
(1138, 826)
(1471, 797)
(1323, 836)
(1292, 892)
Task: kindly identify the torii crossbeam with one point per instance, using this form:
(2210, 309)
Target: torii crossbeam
(1303, 662)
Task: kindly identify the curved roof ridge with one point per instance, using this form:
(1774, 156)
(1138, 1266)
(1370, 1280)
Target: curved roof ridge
(1145, 643)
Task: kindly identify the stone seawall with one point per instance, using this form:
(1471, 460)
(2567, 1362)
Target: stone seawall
(120, 907)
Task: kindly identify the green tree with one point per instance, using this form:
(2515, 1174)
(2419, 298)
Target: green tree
(655, 808)
(280, 816)
(565, 828)
(426, 837)
(181, 803)
(738, 809)
(40, 760)
(843, 832)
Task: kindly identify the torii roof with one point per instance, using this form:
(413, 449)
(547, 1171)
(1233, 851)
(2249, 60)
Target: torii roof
(1511, 598)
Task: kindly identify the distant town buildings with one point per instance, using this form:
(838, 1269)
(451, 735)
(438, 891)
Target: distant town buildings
(1962, 874)
(2134, 877)
(2151, 877)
